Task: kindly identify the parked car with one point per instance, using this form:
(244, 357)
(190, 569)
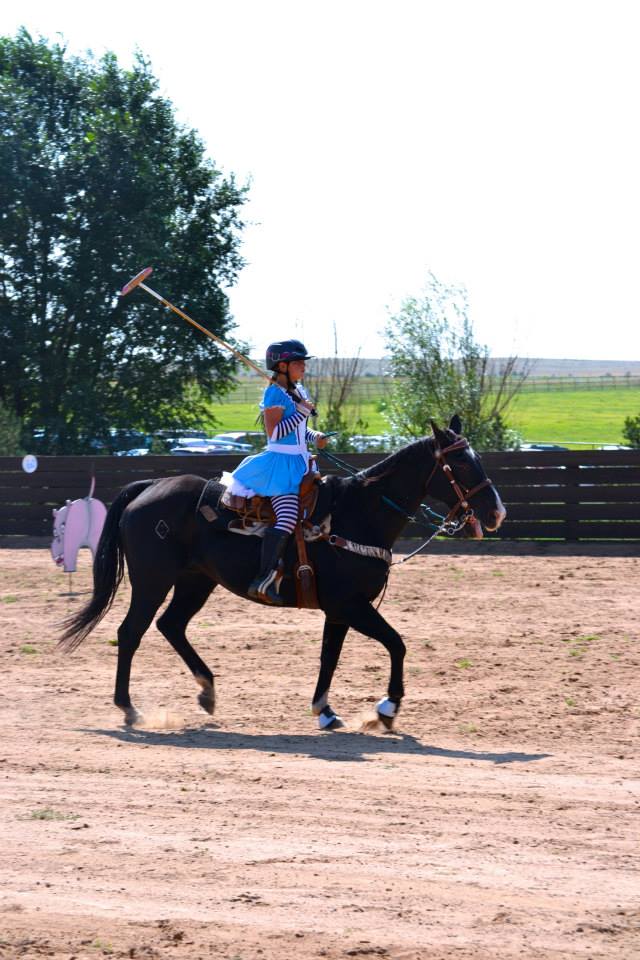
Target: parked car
(367, 443)
(135, 452)
(190, 442)
(234, 445)
(166, 439)
(172, 435)
(542, 446)
(124, 440)
(186, 447)
(249, 439)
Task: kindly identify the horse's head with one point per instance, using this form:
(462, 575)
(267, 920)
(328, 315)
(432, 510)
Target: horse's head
(460, 481)
(59, 523)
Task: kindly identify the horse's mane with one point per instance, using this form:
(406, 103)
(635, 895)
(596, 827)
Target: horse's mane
(382, 469)
(343, 489)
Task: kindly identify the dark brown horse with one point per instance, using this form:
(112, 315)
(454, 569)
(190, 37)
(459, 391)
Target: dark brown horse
(167, 543)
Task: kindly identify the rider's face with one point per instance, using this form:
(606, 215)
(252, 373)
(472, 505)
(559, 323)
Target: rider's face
(296, 370)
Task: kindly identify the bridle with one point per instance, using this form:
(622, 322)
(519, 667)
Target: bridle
(462, 493)
(450, 524)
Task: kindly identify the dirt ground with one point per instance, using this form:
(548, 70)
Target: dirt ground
(502, 819)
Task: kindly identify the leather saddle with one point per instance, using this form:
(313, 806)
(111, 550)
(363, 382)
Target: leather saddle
(250, 516)
(252, 510)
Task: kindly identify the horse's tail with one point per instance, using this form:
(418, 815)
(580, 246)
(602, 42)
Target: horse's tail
(108, 571)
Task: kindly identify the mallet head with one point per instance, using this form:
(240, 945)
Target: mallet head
(139, 278)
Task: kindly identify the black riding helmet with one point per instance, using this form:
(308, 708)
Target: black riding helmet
(285, 350)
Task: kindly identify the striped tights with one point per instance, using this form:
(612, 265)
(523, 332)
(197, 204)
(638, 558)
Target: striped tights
(286, 511)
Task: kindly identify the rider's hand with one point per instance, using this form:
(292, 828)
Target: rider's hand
(321, 441)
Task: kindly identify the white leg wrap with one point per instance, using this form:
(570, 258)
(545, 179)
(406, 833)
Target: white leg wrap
(328, 717)
(386, 707)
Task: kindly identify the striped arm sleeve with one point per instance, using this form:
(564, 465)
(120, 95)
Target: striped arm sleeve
(312, 435)
(286, 425)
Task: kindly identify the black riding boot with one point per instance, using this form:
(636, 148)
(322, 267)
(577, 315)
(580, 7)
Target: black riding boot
(263, 587)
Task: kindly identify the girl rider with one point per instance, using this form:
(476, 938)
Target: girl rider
(278, 470)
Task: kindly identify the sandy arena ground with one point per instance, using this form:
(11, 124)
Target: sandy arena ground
(502, 821)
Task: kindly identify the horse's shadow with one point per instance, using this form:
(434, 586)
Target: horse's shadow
(342, 746)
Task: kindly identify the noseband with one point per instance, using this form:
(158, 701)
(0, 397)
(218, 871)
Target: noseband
(462, 493)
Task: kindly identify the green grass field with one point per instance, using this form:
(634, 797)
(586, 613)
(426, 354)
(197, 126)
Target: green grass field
(242, 416)
(589, 417)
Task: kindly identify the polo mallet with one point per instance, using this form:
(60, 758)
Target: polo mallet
(138, 281)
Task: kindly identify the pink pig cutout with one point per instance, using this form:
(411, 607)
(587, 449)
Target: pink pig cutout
(78, 524)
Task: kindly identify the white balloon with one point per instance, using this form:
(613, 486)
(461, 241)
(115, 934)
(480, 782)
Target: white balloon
(29, 463)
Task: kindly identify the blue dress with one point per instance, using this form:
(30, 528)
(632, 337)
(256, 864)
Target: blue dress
(279, 469)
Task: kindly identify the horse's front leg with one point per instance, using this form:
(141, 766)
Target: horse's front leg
(365, 619)
(332, 640)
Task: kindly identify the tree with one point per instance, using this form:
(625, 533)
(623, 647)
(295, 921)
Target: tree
(631, 431)
(439, 369)
(332, 385)
(99, 180)
(10, 432)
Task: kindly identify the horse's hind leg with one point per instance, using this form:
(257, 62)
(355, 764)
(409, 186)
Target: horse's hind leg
(190, 594)
(142, 610)
(332, 640)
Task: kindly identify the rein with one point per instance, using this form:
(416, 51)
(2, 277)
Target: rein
(449, 525)
(425, 508)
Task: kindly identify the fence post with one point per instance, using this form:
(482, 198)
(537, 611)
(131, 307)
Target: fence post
(572, 500)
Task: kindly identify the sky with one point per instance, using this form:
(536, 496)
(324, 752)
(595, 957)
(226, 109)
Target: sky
(494, 143)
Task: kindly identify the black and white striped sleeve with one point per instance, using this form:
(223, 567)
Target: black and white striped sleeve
(286, 425)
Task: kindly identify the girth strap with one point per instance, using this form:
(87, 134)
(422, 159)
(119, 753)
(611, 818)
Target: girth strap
(363, 549)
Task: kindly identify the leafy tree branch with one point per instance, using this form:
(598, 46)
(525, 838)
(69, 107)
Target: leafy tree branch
(440, 369)
(99, 179)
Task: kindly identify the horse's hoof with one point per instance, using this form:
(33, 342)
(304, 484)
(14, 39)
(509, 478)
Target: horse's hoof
(337, 723)
(207, 695)
(387, 722)
(328, 720)
(376, 724)
(207, 701)
(131, 717)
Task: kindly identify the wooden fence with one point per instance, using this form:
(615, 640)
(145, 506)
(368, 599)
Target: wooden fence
(588, 495)
(367, 389)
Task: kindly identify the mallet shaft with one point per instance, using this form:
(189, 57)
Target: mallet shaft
(212, 336)
(137, 281)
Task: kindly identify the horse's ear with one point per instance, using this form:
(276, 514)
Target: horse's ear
(456, 424)
(439, 434)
